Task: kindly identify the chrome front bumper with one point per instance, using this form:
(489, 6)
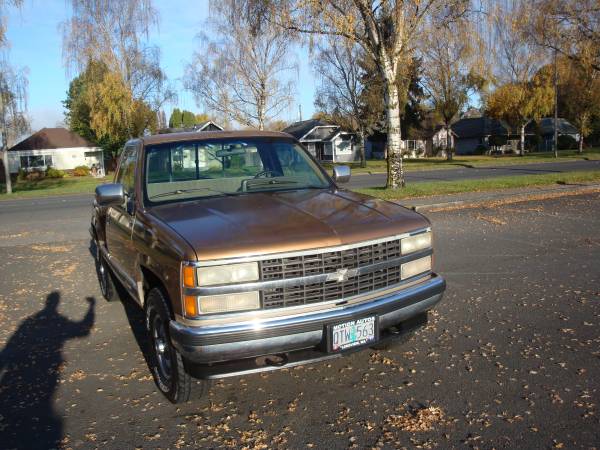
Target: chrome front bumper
(215, 344)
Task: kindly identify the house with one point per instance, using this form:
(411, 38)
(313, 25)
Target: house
(438, 138)
(473, 133)
(326, 142)
(207, 125)
(545, 129)
(57, 147)
(423, 143)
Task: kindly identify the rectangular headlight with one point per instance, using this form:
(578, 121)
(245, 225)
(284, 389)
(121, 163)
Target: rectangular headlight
(415, 243)
(412, 268)
(227, 274)
(229, 302)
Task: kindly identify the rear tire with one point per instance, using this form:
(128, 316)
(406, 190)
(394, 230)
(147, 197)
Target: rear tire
(166, 363)
(105, 277)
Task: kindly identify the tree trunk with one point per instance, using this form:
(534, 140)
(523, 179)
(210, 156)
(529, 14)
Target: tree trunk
(449, 143)
(6, 170)
(395, 177)
(580, 142)
(522, 151)
(361, 148)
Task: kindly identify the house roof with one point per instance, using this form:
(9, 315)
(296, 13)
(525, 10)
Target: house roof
(202, 125)
(299, 129)
(48, 138)
(478, 127)
(545, 126)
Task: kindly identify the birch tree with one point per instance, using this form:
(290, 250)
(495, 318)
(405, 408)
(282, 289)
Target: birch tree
(241, 73)
(13, 121)
(13, 96)
(4, 4)
(387, 30)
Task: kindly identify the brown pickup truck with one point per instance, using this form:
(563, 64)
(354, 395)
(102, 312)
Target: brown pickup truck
(246, 256)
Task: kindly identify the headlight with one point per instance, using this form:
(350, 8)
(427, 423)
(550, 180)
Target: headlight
(228, 302)
(227, 274)
(415, 243)
(412, 268)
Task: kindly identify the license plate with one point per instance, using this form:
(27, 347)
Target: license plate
(352, 333)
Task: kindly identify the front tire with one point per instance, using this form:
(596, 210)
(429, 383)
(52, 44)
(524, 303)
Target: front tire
(166, 363)
(105, 277)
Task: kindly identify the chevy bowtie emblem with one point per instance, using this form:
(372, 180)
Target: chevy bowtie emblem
(341, 275)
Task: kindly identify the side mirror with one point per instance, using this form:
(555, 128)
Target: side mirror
(341, 174)
(111, 194)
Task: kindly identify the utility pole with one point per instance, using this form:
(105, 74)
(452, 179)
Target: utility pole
(299, 112)
(555, 106)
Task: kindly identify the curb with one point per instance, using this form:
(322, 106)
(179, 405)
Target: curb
(502, 199)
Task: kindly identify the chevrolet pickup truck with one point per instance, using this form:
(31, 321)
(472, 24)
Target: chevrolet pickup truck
(247, 256)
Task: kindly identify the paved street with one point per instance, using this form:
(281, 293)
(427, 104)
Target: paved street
(68, 217)
(375, 180)
(510, 359)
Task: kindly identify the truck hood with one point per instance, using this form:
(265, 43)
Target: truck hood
(264, 223)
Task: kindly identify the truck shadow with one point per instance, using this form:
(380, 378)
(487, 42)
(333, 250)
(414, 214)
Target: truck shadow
(135, 315)
(31, 363)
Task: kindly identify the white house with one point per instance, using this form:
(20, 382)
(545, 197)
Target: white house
(324, 141)
(57, 147)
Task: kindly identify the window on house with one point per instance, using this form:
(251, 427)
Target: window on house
(36, 161)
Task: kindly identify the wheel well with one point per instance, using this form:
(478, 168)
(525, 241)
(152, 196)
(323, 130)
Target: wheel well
(151, 281)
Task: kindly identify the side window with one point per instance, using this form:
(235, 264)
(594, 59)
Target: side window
(126, 175)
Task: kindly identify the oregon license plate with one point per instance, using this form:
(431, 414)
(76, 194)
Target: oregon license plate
(352, 333)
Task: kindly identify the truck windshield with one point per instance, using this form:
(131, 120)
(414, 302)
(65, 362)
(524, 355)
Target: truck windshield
(185, 170)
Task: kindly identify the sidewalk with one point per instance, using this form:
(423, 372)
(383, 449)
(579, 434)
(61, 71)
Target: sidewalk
(475, 199)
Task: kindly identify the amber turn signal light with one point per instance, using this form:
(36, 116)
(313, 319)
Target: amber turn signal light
(191, 306)
(188, 276)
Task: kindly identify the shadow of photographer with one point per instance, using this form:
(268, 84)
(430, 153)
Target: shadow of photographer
(30, 367)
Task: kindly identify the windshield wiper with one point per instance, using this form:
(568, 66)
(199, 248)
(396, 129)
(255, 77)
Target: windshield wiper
(256, 186)
(258, 183)
(185, 191)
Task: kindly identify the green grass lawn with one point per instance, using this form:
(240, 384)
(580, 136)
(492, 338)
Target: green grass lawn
(379, 166)
(53, 186)
(427, 189)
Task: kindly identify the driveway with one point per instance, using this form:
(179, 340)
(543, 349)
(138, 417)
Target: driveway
(510, 358)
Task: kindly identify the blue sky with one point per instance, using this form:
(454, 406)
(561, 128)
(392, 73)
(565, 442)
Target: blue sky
(36, 44)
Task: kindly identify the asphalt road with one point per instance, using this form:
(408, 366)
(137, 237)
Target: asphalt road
(55, 219)
(376, 180)
(510, 359)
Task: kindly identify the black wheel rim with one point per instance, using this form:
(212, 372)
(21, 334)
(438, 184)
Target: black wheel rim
(102, 273)
(162, 348)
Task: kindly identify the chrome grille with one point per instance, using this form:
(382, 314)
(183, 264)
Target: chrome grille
(321, 263)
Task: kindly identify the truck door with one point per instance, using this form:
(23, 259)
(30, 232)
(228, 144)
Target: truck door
(120, 219)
